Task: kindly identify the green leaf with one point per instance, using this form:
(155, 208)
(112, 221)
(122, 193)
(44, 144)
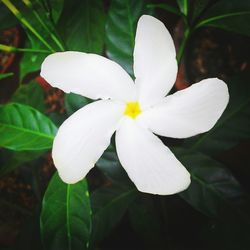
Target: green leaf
(44, 16)
(110, 165)
(41, 35)
(120, 30)
(57, 118)
(24, 128)
(31, 62)
(7, 20)
(82, 25)
(31, 15)
(199, 6)
(66, 215)
(184, 7)
(10, 160)
(5, 75)
(166, 7)
(234, 125)
(73, 102)
(231, 15)
(109, 204)
(30, 94)
(226, 235)
(213, 190)
(53, 9)
(147, 222)
(36, 19)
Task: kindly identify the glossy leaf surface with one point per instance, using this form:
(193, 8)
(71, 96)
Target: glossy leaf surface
(73, 102)
(213, 188)
(81, 25)
(110, 165)
(147, 222)
(167, 7)
(120, 30)
(30, 94)
(24, 128)
(231, 15)
(66, 215)
(184, 6)
(109, 205)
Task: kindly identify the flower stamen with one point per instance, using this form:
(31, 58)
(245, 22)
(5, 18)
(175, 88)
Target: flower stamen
(132, 109)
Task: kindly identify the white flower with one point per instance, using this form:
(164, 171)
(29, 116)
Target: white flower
(135, 110)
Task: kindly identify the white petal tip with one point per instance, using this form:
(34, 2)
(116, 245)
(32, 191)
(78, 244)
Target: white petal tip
(174, 189)
(145, 18)
(69, 179)
(224, 88)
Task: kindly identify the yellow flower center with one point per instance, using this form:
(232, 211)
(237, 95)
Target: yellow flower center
(132, 109)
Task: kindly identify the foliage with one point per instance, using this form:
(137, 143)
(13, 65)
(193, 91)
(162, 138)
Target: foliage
(74, 216)
(24, 128)
(120, 30)
(233, 126)
(66, 215)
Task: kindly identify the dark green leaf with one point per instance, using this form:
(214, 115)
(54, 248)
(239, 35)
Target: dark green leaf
(66, 216)
(234, 125)
(110, 165)
(82, 25)
(231, 15)
(73, 102)
(37, 21)
(5, 75)
(213, 190)
(43, 16)
(109, 204)
(31, 62)
(183, 5)
(147, 222)
(24, 128)
(57, 118)
(198, 7)
(33, 17)
(53, 9)
(42, 36)
(7, 20)
(30, 94)
(166, 7)
(120, 30)
(11, 160)
(229, 235)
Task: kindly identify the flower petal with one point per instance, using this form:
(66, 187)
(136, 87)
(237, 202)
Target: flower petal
(188, 112)
(155, 65)
(149, 163)
(89, 75)
(83, 137)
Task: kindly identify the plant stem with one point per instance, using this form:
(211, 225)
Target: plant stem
(212, 19)
(7, 48)
(185, 7)
(182, 47)
(38, 17)
(22, 19)
(5, 75)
